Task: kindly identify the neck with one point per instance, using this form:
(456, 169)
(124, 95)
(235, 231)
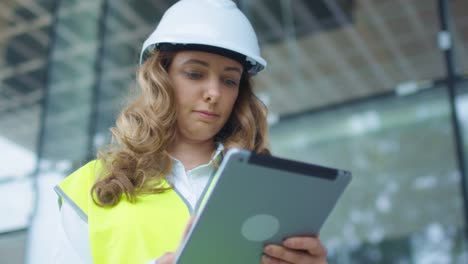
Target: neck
(192, 154)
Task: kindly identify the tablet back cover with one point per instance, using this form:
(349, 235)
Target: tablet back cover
(256, 200)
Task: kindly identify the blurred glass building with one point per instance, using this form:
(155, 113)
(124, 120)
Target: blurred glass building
(376, 87)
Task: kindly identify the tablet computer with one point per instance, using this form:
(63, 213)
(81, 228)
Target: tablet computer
(254, 200)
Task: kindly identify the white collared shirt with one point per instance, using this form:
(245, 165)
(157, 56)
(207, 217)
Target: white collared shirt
(72, 239)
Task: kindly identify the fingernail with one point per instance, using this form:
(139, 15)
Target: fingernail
(288, 243)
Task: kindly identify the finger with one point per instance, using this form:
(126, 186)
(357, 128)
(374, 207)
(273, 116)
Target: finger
(313, 245)
(287, 255)
(272, 260)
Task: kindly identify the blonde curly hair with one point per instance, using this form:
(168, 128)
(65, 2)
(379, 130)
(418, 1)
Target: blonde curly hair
(138, 161)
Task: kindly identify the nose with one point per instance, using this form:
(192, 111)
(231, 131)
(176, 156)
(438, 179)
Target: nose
(212, 91)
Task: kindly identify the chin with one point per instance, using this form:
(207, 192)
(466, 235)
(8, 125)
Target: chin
(203, 136)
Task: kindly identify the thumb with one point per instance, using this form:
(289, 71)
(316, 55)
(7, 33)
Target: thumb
(188, 226)
(167, 258)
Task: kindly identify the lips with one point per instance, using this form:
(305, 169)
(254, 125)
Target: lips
(206, 114)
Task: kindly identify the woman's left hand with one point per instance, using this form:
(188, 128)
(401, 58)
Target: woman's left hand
(298, 250)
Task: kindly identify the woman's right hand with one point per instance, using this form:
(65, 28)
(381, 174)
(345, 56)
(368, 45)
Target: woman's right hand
(169, 257)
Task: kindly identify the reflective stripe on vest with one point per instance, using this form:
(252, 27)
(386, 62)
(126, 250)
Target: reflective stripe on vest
(128, 232)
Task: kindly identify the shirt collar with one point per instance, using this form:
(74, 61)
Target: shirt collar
(215, 159)
(218, 155)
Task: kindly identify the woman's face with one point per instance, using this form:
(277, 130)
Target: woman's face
(206, 87)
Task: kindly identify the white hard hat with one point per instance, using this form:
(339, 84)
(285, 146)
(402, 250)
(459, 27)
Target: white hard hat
(209, 25)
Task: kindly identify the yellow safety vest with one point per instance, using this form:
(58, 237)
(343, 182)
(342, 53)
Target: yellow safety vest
(128, 232)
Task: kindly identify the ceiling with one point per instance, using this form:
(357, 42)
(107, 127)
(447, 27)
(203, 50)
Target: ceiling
(319, 53)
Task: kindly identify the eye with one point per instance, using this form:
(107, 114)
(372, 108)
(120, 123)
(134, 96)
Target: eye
(193, 75)
(231, 82)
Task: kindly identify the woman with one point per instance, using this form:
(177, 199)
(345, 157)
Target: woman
(134, 201)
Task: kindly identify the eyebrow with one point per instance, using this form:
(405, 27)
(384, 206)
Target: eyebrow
(206, 64)
(236, 69)
(195, 61)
